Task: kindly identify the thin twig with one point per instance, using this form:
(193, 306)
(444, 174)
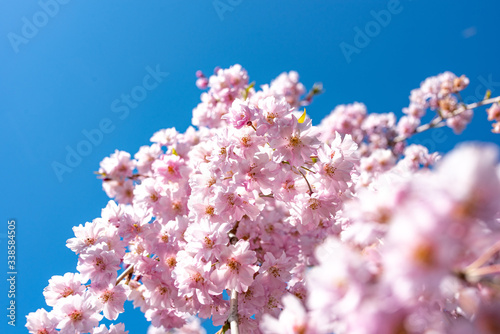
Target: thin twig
(484, 257)
(481, 103)
(307, 169)
(437, 122)
(124, 274)
(493, 269)
(308, 184)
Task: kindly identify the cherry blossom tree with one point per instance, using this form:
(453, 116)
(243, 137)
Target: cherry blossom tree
(267, 224)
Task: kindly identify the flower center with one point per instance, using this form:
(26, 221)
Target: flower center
(274, 271)
(233, 265)
(209, 210)
(208, 242)
(67, 291)
(89, 241)
(230, 199)
(197, 278)
(99, 263)
(314, 204)
(76, 316)
(295, 141)
(171, 262)
(270, 117)
(246, 141)
(329, 169)
(176, 206)
(106, 296)
(163, 290)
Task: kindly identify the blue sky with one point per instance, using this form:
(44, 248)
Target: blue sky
(58, 81)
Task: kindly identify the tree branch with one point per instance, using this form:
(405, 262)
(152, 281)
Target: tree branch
(233, 306)
(233, 315)
(124, 274)
(437, 122)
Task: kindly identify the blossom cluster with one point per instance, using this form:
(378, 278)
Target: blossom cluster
(341, 227)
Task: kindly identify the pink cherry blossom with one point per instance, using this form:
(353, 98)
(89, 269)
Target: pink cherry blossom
(293, 319)
(110, 299)
(494, 112)
(273, 111)
(41, 322)
(472, 182)
(62, 287)
(117, 166)
(165, 137)
(260, 220)
(77, 314)
(344, 119)
(496, 127)
(277, 269)
(165, 317)
(194, 280)
(236, 267)
(170, 168)
(145, 158)
(288, 86)
(98, 264)
(240, 113)
(207, 240)
(294, 142)
(86, 236)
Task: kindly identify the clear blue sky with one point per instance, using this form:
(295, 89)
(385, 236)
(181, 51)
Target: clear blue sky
(61, 78)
